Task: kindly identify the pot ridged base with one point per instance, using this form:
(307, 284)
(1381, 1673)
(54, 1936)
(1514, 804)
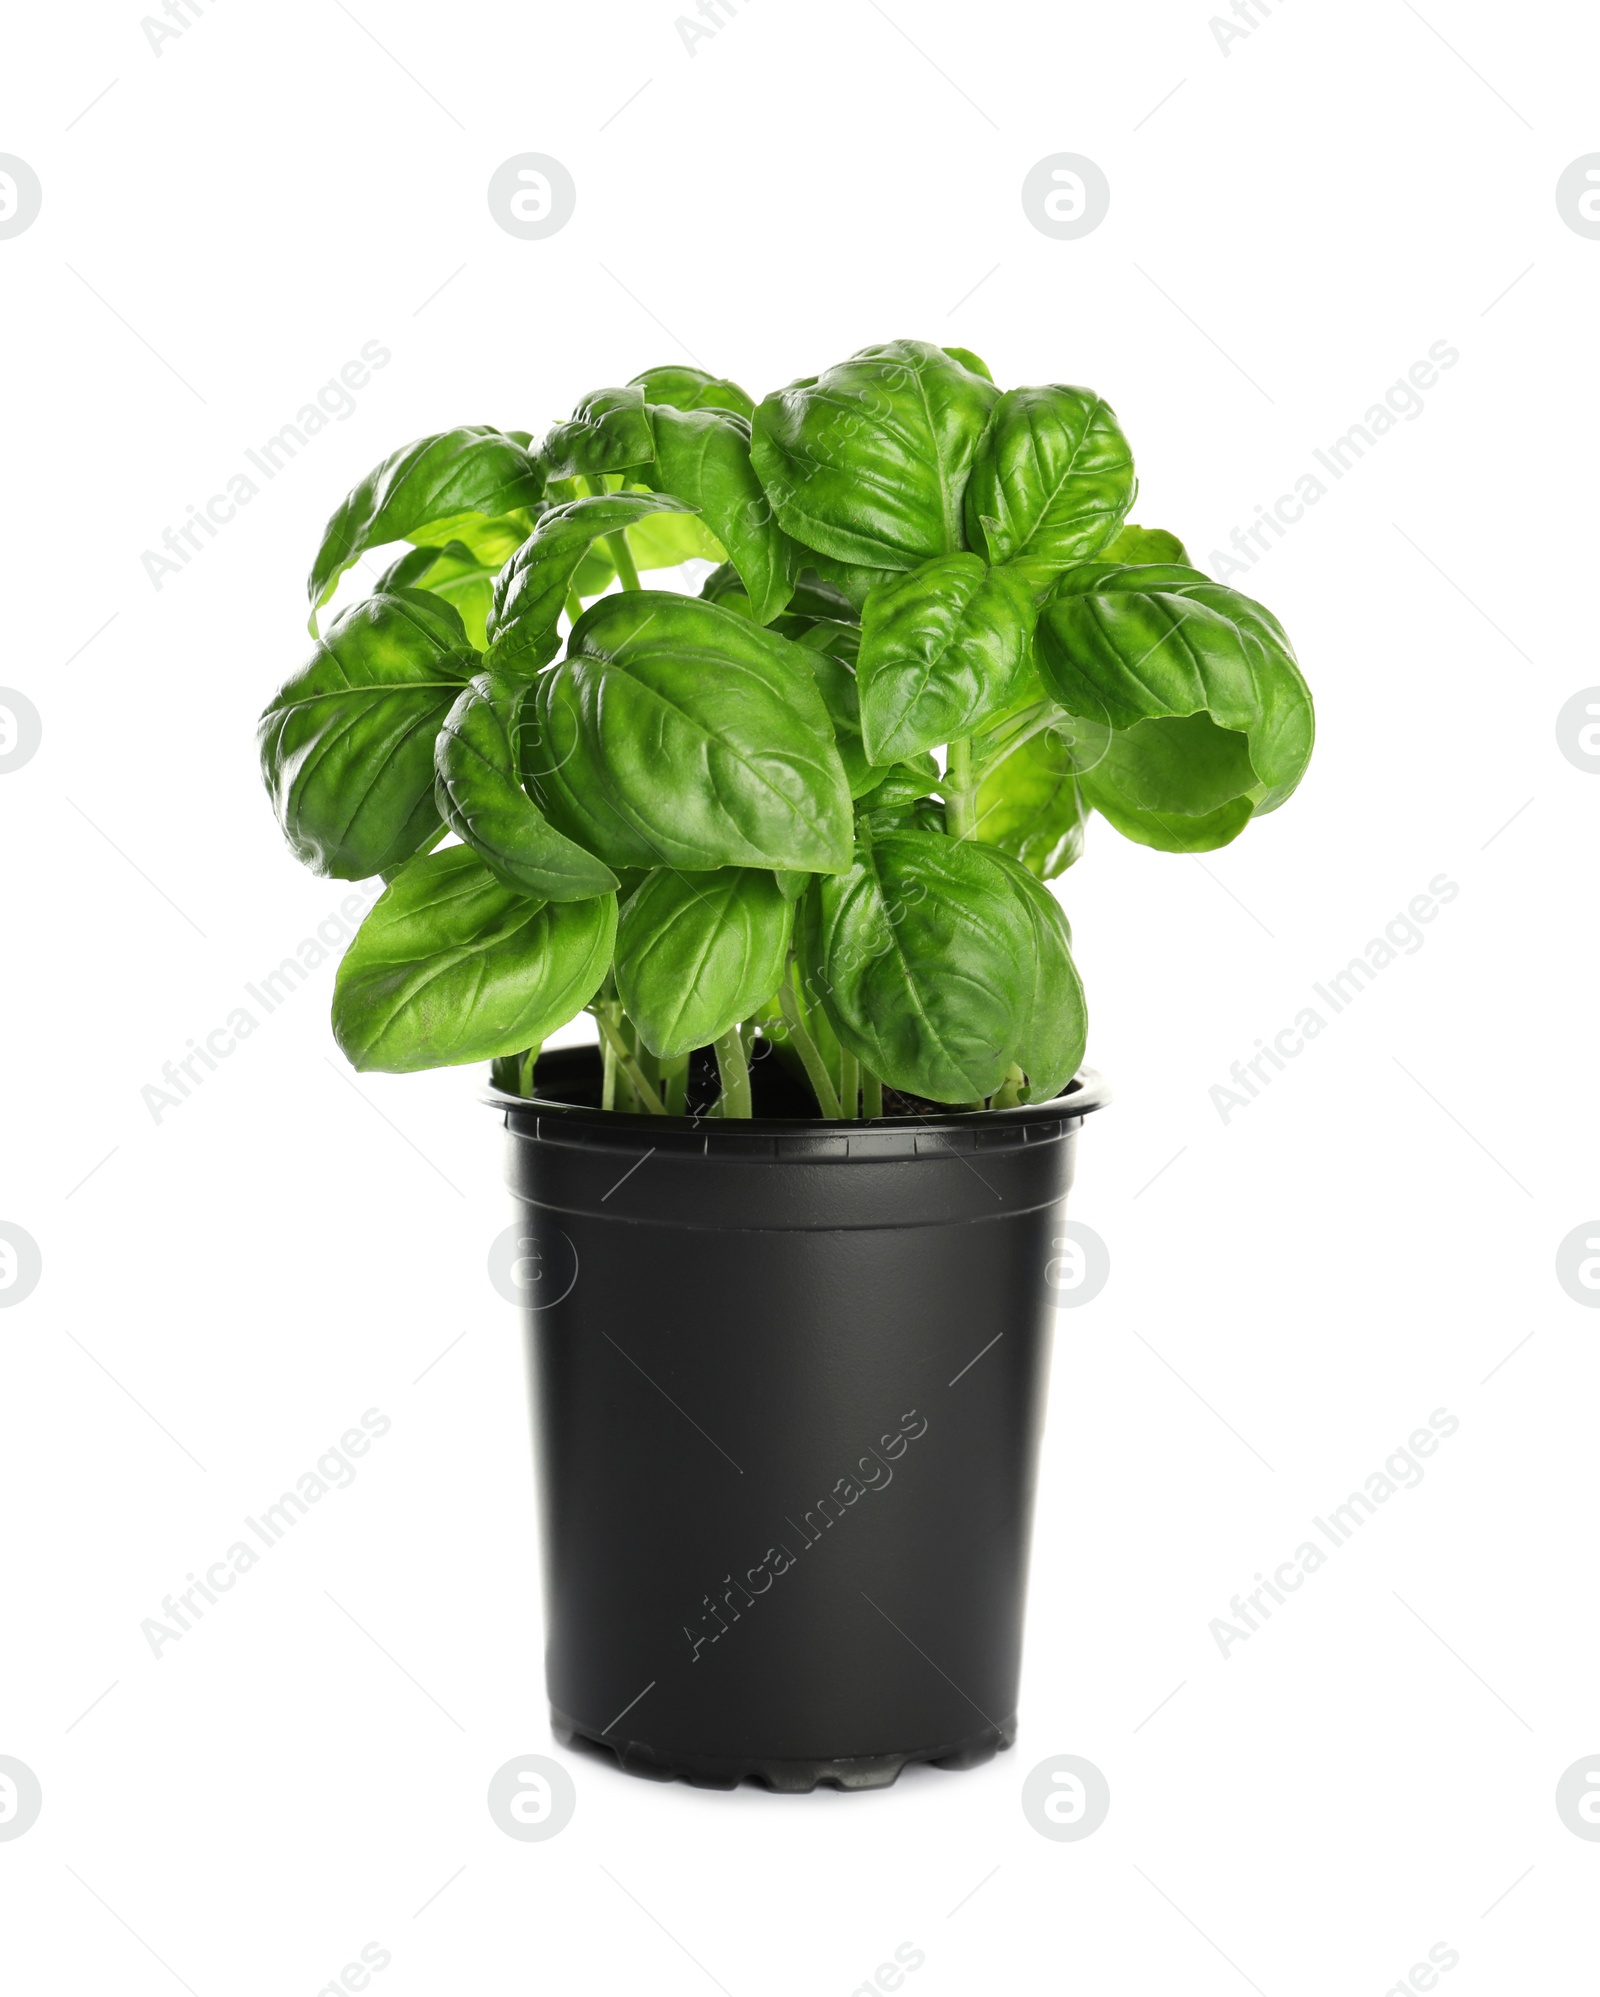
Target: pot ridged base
(788, 1777)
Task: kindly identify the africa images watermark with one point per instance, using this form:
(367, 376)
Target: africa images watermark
(333, 1471)
(872, 1473)
(1401, 937)
(207, 1055)
(335, 402)
(1401, 402)
(1401, 1472)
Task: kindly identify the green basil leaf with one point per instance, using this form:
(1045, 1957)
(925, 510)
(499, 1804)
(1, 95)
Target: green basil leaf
(1052, 480)
(456, 574)
(1139, 651)
(474, 470)
(450, 966)
(969, 360)
(938, 966)
(815, 596)
(698, 952)
(530, 592)
(692, 388)
(1167, 832)
(664, 540)
(347, 743)
(868, 462)
(942, 649)
(1029, 803)
(852, 585)
(1145, 544)
(675, 733)
(481, 799)
(703, 456)
(1048, 1045)
(609, 431)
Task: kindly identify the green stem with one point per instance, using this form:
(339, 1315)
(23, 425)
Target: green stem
(676, 1077)
(1008, 1095)
(849, 1083)
(525, 1072)
(960, 792)
(574, 605)
(627, 1061)
(622, 555)
(811, 1059)
(608, 1071)
(872, 1092)
(735, 1073)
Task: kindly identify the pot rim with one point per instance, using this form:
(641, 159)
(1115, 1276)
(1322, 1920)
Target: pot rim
(1086, 1092)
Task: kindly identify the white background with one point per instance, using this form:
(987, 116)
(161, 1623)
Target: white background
(1373, 1772)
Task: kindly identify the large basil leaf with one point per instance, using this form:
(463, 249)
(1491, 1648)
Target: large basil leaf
(868, 462)
(692, 388)
(942, 649)
(1052, 480)
(530, 592)
(938, 967)
(454, 572)
(1029, 803)
(676, 733)
(480, 796)
(450, 966)
(347, 744)
(1196, 692)
(703, 456)
(698, 952)
(474, 470)
(607, 432)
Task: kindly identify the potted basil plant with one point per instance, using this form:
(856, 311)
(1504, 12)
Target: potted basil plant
(785, 836)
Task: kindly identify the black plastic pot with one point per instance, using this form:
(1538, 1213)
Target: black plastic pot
(788, 1385)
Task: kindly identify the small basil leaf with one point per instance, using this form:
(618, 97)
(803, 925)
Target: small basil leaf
(1145, 544)
(703, 456)
(481, 799)
(1029, 803)
(474, 470)
(1052, 480)
(347, 743)
(677, 731)
(456, 574)
(815, 596)
(851, 584)
(942, 649)
(608, 432)
(698, 952)
(868, 462)
(923, 956)
(451, 966)
(969, 360)
(530, 592)
(692, 388)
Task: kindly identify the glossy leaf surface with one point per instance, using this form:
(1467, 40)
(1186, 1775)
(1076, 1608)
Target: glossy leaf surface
(451, 966)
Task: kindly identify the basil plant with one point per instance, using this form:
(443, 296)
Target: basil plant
(813, 805)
